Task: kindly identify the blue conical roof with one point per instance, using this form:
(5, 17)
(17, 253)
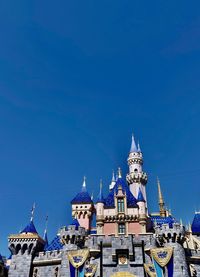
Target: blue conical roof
(140, 197)
(133, 145)
(30, 228)
(82, 197)
(131, 200)
(196, 224)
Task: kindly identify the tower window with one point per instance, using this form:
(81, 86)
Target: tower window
(121, 229)
(120, 205)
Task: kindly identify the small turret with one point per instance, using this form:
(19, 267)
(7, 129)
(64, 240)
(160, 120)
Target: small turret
(100, 211)
(24, 246)
(83, 207)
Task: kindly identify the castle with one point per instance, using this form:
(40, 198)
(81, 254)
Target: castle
(127, 240)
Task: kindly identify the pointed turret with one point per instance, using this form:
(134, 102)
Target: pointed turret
(161, 200)
(45, 234)
(100, 211)
(82, 207)
(30, 228)
(133, 145)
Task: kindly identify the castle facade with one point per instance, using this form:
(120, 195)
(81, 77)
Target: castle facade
(127, 241)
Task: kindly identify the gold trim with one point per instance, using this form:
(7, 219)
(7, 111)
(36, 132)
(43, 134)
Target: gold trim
(162, 261)
(81, 254)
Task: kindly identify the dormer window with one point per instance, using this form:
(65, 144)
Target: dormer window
(120, 205)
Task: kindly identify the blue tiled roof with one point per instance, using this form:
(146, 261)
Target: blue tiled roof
(82, 197)
(55, 244)
(196, 224)
(30, 228)
(75, 223)
(140, 197)
(131, 200)
(159, 220)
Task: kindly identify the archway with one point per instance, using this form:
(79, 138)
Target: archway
(123, 274)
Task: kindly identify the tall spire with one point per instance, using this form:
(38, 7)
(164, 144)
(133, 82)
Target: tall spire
(133, 145)
(113, 181)
(32, 212)
(100, 196)
(161, 200)
(46, 225)
(119, 172)
(84, 184)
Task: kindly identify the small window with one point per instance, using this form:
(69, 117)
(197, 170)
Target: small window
(121, 229)
(35, 272)
(56, 272)
(120, 205)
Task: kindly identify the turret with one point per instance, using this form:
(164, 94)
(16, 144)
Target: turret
(23, 247)
(136, 178)
(142, 211)
(83, 207)
(100, 211)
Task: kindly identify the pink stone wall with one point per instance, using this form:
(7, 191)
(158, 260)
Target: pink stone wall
(134, 228)
(109, 228)
(84, 222)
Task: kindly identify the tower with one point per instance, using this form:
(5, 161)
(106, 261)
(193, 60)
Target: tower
(83, 207)
(23, 247)
(100, 211)
(136, 177)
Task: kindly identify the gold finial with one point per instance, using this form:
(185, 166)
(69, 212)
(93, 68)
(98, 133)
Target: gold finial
(161, 202)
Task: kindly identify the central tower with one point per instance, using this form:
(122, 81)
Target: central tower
(136, 177)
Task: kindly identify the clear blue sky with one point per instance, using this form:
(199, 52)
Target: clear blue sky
(76, 78)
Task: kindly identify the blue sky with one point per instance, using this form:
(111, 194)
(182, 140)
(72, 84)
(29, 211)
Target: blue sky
(76, 79)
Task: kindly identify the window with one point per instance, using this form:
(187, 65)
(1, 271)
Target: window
(56, 272)
(120, 205)
(35, 272)
(121, 229)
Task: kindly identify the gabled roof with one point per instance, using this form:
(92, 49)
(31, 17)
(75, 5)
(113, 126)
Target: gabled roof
(196, 224)
(140, 197)
(30, 228)
(55, 244)
(131, 200)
